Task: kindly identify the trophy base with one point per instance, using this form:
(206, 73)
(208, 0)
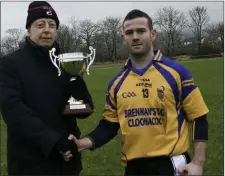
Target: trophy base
(78, 106)
(77, 109)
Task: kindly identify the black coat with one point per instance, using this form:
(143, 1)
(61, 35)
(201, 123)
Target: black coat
(32, 99)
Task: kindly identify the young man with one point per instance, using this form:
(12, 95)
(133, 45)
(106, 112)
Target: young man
(153, 100)
(32, 101)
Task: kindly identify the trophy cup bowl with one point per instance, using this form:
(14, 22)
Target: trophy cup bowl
(74, 67)
(75, 64)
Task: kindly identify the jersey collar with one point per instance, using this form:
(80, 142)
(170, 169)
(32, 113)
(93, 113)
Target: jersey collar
(157, 58)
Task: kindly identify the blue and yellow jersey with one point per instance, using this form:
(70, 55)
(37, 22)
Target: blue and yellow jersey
(153, 106)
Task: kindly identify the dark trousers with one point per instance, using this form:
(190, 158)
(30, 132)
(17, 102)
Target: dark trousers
(163, 165)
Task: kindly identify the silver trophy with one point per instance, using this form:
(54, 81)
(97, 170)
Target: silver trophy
(75, 64)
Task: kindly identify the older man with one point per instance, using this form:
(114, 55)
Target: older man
(32, 100)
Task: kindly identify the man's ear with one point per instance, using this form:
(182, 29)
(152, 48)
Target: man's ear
(153, 34)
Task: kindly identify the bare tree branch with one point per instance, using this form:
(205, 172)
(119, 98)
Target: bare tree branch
(171, 22)
(199, 19)
(12, 41)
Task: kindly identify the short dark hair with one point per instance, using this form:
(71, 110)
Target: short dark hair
(138, 14)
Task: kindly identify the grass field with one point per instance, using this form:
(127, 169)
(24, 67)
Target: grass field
(208, 76)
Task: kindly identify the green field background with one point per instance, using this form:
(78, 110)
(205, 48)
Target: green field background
(208, 75)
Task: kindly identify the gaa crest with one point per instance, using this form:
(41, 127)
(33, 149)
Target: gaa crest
(160, 93)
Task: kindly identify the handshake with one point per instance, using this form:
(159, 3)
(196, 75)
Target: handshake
(71, 146)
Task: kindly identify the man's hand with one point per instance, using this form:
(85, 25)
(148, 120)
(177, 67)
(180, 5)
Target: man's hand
(67, 155)
(83, 144)
(195, 167)
(191, 169)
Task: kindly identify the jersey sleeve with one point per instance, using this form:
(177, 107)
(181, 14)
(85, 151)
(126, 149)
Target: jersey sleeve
(192, 100)
(110, 107)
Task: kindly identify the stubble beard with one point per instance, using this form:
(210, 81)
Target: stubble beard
(140, 54)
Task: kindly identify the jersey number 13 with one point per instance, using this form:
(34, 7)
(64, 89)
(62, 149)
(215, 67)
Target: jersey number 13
(145, 93)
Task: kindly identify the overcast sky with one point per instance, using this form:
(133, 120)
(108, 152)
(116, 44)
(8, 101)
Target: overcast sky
(13, 14)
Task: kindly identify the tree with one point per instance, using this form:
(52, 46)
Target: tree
(216, 34)
(75, 32)
(110, 29)
(162, 42)
(199, 19)
(171, 22)
(64, 38)
(87, 31)
(99, 45)
(12, 41)
(220, 29)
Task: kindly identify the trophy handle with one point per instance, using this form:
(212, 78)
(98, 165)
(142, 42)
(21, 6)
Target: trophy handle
(52, 53)
(92, 58)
